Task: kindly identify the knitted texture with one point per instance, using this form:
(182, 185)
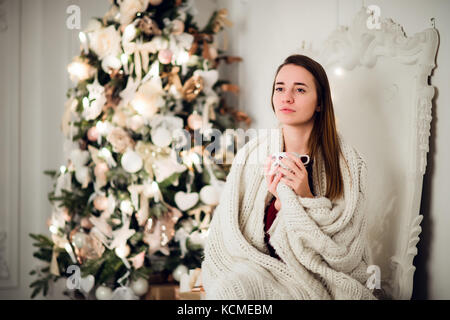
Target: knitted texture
(322, 243)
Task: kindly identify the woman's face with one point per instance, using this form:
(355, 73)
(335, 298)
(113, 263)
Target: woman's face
(294, 97)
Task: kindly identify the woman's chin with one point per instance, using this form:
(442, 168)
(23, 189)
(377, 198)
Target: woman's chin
(284, 120)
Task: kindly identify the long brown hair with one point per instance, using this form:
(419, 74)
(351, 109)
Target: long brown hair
(324, 133)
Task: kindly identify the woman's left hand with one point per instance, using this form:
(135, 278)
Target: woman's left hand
(296, 177)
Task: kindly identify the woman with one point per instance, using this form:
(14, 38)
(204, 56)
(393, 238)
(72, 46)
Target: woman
(298, 233)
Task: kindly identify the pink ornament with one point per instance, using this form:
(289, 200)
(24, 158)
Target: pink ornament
(195, 121)
(138, 260)
(92, 134)
(101, 203)
(101, 169)
(165, 56)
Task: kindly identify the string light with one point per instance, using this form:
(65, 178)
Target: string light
(83, 40)
(53, 229)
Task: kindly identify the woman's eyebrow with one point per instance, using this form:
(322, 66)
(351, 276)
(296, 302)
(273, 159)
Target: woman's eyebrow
(295, 83)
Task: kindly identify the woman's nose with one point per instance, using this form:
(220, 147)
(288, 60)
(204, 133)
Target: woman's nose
(287, 98)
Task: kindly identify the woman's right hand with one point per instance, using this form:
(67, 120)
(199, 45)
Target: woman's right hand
(272, 178)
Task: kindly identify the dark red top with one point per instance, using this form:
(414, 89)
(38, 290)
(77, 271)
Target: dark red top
(271, 213)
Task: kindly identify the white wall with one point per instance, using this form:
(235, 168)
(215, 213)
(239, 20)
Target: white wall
(35, 51)
(34, 81)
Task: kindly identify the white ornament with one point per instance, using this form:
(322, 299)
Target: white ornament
(197, 238)
(79, 239)
(167, 166)
(126, 207)
(122, 251)
(131, 161)
(209, 79)
(209, 195)
(91, 110)
(181, 235)
(129, 92)
(124, 293)
(135, 122)
(185, 201)
(121, 235)
(105, 42)
(129, 33)
(179, 271)
(111, 62)
(103, 293)
(161, 137)
(87, 283)
(79, 157)
(82, 175)
(139, 286)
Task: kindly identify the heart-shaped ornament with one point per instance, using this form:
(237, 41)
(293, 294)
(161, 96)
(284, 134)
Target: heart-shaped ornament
(185, 201)
(209, 195)
(209, 77)
(87, 283)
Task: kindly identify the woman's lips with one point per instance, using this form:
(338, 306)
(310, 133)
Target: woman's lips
(286, 110)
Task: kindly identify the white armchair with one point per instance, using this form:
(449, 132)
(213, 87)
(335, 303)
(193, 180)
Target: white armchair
(382, 99)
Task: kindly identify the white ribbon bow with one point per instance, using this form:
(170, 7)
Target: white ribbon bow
(141, 51)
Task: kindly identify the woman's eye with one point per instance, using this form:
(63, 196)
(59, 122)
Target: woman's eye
(279, 89)
(300, 90)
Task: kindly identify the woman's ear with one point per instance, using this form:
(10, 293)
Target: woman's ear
(318, 108)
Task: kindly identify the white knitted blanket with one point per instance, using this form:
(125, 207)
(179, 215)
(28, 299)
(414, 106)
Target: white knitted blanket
(322, 244)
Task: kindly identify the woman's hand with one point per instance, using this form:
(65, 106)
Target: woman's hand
(277, 204)
(296, 177)
(272, 179)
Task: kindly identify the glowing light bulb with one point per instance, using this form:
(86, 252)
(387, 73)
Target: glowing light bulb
(53, 229)
(79, 70)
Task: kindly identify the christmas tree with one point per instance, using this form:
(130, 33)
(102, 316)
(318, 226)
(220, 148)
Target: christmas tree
(141, 181)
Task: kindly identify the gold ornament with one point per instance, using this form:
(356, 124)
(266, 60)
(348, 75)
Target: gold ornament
(237, 115)
(203, 224)
(242, 116)
(205, 38)
(172, 78)
(220, 20)
(158, 234)
(192, 88)
(230, 88)
(112, 98)
(227, 59)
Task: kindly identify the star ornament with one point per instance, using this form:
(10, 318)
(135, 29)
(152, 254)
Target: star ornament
(121, 235)
(129, 92)
(95, 89)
